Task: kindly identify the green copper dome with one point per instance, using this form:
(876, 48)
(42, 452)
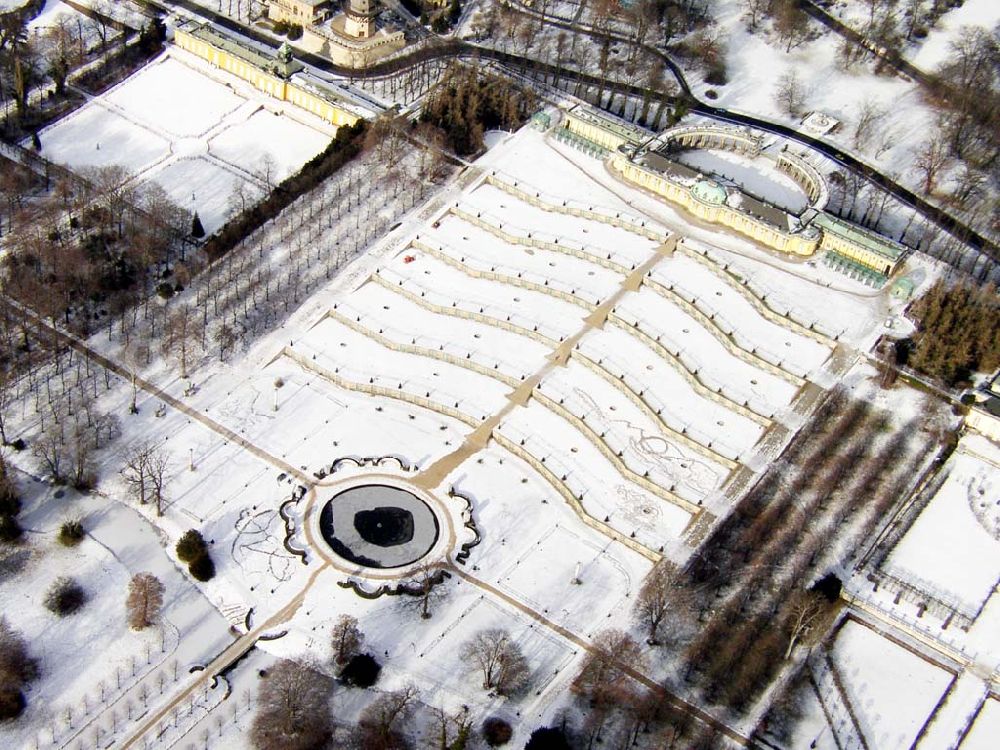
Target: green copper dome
(709, 191)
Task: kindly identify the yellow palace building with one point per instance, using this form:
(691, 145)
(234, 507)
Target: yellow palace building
(641, 158)
(278, 76)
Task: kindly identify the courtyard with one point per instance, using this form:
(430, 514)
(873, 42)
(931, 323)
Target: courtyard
(212, 159)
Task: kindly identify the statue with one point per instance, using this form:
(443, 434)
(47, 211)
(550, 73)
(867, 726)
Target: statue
(285, 53)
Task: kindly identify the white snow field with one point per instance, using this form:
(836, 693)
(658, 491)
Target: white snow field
(589, 419)
(953, 548)
(891, 689)
(984, 732)
(759, 177)
(201, 134)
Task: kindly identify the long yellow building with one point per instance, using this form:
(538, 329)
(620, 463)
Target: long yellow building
(279, 76)
(640, 158)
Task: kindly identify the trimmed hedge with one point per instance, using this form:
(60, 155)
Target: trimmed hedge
(342, 149)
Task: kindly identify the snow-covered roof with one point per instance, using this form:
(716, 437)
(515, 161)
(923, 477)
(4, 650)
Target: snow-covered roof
(709, 191)
(860, 236)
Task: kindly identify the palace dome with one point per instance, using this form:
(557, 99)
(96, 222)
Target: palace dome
(709, 191)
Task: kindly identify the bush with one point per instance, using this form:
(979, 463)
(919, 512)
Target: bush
(191, 546)
(361, 671)
(202, 568)
(165, 290)
(716, 76)
(281, 27)
(496, 731)
(10, 503)
(547, 738)
(295, 32)
(711, 94)
(11, 703)
(10, 529)
(64, 597)
(71, 533)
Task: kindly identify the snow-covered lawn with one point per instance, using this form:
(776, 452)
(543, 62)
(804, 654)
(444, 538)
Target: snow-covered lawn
(952, 548)
(198, 132)
(891, 689)
(986, 729)
(94, 652)
(285, 141)
(756, 65)
(204, 185)
(97, 137)
(759, 177)
(161, 93)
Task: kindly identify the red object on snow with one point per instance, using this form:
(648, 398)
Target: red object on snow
(409, 258)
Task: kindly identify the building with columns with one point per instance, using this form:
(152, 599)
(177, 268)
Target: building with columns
(648, 161)
(359, 19)
(351, 37)
(302, 12)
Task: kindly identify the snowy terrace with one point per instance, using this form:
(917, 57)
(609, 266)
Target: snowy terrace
(607, 461)
(758, 176)
(939, 582)
(237, 142)
(678, 367)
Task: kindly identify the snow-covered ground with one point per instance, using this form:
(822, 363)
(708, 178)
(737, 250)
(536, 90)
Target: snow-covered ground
(759, 177)
(756, 64)
(954, 546)
(986, 729)
(56, 13)
(605, 465)
(928, 53)
(891, 689)
(235, 141)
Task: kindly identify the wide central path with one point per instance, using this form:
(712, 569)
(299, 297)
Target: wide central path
(478, 439)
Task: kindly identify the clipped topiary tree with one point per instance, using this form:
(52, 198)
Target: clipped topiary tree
(361, 671)
(202, 569)
(197, 230)
(496, 731)
(548, 738)
(191, 546)
(11, 702)
(10, 529)
(71, 533)
(65, 596)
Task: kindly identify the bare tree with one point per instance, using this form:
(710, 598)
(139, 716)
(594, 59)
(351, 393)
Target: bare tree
(462, 723)
(135, 356)
(807, 613)
(426, 590)
(790, 23)
(50, 449)
(753, 12)
(145, 471)
(379, 723)
(791, 93)
(346, 639)
(661, 591)
(100, 20)
(181, 334)
(604, 666)
(499, 658)
(145, 598)
(293, 711)
(929, 161)
(870, 115)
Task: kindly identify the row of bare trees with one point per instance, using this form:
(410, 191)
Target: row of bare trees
(757, 589)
